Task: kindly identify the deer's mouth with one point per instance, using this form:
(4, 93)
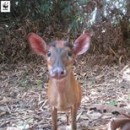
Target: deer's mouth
(58, 77)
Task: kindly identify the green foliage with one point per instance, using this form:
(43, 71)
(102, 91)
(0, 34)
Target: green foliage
(39, 83)
(69, 14)
(73, 14)
(45, 8)
(112, 103)
(109, 20)
(64, 13)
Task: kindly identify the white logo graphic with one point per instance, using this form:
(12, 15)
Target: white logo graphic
(5, 6)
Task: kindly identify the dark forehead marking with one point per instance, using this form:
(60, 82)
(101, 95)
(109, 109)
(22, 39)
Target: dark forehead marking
(68, 44)
(52, 44)
(59, 50)
(61, 44)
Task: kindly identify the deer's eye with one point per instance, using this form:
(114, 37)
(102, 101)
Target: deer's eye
(49, 54)
(69, 54)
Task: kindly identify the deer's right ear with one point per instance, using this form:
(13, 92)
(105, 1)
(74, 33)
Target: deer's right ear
(82, 44)
(37, 44)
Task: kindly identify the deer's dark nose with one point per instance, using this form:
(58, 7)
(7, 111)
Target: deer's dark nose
(58, 72)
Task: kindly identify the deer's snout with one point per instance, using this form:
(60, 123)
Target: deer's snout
(58, 72)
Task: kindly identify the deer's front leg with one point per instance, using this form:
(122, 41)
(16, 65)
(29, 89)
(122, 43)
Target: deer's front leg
(73, 117)
(54, 118)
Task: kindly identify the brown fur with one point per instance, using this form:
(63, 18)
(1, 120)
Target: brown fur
(64, 92)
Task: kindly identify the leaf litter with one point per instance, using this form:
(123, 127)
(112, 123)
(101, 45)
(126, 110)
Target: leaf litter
(23, 98)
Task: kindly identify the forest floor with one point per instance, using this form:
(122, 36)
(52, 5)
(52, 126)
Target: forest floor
(23, 98)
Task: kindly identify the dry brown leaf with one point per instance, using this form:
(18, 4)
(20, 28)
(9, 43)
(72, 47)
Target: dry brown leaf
(121, 123)
(108, 108)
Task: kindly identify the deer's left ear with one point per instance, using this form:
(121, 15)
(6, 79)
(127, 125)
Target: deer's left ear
(81, 44)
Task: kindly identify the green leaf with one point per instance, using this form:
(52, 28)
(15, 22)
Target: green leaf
(113, 103)
(23, 82)
(39, 83)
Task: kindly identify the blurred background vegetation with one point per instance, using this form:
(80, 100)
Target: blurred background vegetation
(107, 20)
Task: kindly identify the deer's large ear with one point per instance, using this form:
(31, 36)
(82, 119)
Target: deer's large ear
(37, 44)
(81, 44)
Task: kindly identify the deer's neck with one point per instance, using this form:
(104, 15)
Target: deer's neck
(62, 93)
